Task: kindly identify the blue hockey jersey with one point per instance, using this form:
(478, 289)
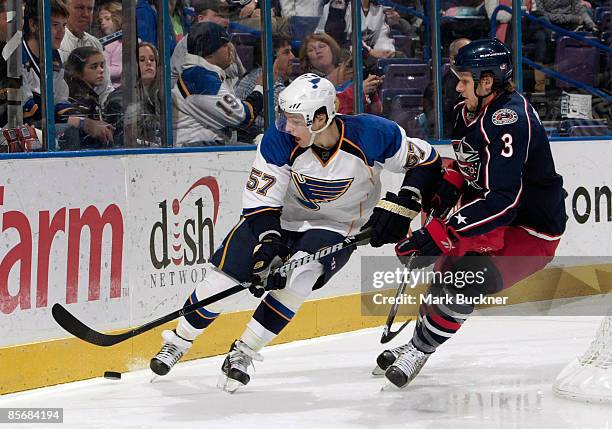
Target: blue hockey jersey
(504, 155)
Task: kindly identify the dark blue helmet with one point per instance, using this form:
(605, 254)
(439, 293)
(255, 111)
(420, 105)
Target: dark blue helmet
(486, 55)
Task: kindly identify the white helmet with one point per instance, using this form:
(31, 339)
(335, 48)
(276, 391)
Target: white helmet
(307, 94)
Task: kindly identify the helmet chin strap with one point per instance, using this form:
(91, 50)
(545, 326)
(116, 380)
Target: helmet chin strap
(480, 97)
(313, 134)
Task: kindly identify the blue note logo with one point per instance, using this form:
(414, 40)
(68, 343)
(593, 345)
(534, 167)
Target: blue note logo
(314, 191)
(315, 82)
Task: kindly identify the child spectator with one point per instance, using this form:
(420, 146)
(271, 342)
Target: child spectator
(109, 20)
(84, 72)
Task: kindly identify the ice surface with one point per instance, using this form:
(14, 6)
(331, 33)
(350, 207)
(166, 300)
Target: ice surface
(495, 373)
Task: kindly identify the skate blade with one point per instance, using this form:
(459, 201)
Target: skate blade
(154, 377)
(227, 384)
(390, 387)
(378, 372)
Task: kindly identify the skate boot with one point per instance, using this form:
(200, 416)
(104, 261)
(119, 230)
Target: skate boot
(235, 367)
(172, 351)
(406, 366)
(386, 359)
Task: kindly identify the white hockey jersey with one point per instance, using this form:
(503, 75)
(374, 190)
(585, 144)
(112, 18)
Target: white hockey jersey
(205, 108)
(334, 190)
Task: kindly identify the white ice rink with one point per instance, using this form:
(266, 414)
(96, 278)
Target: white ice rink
(495, 373)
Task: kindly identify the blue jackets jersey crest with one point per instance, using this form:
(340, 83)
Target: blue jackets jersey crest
(505, 157)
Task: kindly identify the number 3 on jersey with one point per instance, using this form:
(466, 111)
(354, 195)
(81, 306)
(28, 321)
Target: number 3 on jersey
(507, 151)
(253, 184)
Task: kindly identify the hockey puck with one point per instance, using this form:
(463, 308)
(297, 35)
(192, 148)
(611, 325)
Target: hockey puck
(112, 375)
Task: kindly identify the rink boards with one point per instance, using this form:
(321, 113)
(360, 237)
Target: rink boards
(122, 240)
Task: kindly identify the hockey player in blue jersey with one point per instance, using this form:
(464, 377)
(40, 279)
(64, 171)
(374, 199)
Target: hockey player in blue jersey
(512, 204)
(314, 181)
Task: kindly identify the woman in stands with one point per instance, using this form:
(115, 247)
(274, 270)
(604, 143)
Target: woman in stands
(149, 100)
(322, 55)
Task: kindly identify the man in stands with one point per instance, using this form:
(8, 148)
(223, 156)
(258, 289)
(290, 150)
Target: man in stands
(216, 12)
(282, 68)
(206, 108)
(79, 21)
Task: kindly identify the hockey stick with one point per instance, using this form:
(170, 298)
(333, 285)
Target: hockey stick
(388, 334)
(77, 328)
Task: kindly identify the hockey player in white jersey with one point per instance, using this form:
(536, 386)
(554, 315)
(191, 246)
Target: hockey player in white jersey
(314, 181)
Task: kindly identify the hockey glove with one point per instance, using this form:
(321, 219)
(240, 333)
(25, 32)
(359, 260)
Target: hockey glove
(269, 254)
(425, 245)
(391, 217)
(447, 192)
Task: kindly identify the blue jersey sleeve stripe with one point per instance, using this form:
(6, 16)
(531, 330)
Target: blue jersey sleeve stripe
(256, 210)
(433, 157)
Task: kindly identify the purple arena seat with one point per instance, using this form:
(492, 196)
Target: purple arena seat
(576, 60)
(588, 130)
(415, 76)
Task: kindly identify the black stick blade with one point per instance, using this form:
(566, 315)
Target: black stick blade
(388, 334)
(77, 328)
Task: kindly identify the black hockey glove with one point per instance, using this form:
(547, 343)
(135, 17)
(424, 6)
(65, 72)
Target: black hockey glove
(269, 254)
(391, 217)
(425, 245)
(447, 192)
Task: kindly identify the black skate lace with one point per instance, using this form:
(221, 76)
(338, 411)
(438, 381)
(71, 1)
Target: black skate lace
(170, 354)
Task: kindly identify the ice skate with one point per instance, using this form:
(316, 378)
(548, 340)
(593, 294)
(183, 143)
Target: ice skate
(386, 359)
(406, 366)
(172, 351)
(235, 367)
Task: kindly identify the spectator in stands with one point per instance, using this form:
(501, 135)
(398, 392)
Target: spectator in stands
(65, 113)
(84, 72)
(449, 94)
(146, 24)
(404, 23)
(569, 14)
(109, 20)
(289, 8)
(283, 63)
(336, 21)
(247, 13)
(206, 108)
(148, 101)
(79, 21)
(180, 22)
(321, 54)
(216, 12)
